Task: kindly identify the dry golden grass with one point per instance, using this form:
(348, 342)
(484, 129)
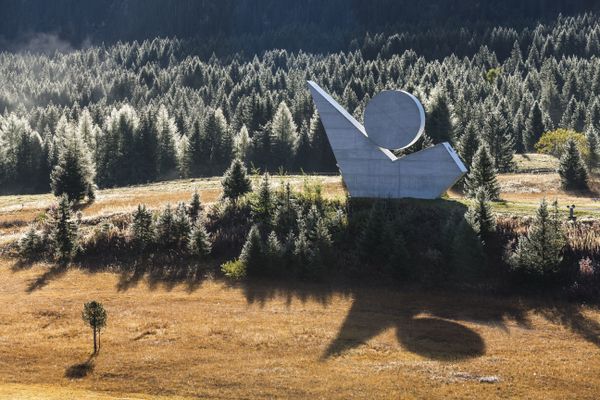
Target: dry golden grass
(535, 162)
(205, 339)
(521, 194)
(211, 340)
(16, 212)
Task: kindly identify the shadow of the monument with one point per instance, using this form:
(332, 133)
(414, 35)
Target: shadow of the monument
(430, 323)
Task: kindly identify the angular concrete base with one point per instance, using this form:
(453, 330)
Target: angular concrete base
(372, 171)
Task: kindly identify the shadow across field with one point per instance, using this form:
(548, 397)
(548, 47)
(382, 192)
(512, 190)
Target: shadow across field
(156, 274)
(160, 275)
(429, 323)
(54, 271)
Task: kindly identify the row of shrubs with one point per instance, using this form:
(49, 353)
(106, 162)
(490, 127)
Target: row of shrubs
(177, 231)
(282, 233)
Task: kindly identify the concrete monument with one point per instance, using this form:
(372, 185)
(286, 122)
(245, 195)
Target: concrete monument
(393, 120)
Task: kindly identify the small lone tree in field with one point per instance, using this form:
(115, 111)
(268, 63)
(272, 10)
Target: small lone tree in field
(95, 315)
(64, 231)
(573, 175)
(235, 181)
(482, 175)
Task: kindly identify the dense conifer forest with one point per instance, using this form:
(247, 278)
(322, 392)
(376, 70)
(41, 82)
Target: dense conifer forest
(142, 110)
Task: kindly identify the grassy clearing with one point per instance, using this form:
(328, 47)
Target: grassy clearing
(19, 210)
(531, 162)
(206, 339)
(521, 194)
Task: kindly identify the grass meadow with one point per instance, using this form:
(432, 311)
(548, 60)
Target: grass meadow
(202, 337)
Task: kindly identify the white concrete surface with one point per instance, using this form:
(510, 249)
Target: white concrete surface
(372, 171)
(394, 119)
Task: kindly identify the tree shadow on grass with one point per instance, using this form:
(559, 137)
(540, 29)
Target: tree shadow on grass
(54, 272)
(571, 316)
(429, 323)
(81, 370)
(164, 275)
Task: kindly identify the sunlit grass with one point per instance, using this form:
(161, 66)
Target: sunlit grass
(210, 340)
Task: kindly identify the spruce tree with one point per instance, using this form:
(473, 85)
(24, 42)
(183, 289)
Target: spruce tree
(142, 228)
(573, 175)
(235, 182)
(304, 253)
(74, 173)
(127, 131)
(181, 226)
(215, 131)
(303, 151)
(252, 255)
(165, 228)
(241, 144)
(285, 136)
(273, 253)
(63, 233)
(286, 214)
(195, 208)
(468, 144)
(534, 128)
(199, 241)
(594, 146)
(31, 245)
(167, 134)
(184, 157)
(439, 125)
(147, 149)
(482, 175)
(263, 205)
(540, 251)
(197, 152)
(499, 141)
(480, 215)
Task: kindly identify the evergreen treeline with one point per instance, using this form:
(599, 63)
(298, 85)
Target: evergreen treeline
(153, 110)
(279, 232)
(224, 26)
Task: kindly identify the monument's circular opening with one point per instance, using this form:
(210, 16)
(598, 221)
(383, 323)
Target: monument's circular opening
(394, 119)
